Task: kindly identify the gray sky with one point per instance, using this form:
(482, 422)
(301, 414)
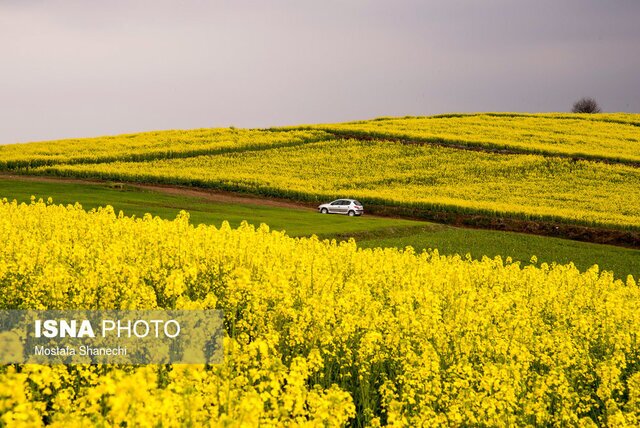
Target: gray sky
(88, 68)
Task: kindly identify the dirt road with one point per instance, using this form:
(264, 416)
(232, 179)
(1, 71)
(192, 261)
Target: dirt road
(205, 194)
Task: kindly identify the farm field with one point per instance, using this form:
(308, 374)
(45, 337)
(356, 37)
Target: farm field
(543, 180)
(168, 256)
(319, 332)
(147, 145)
(325, 330)
(368, 231)
(609, 137)
(417, 177)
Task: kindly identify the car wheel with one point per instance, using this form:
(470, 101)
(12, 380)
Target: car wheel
(324, 211)
(352, 213)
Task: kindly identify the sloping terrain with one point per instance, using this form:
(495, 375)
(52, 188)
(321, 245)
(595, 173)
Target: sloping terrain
(385, 173)
(603, 137)
(327, 332)
(148, 145)
(557, 174)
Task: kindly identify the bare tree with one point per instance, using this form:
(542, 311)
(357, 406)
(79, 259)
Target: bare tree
(586, 105)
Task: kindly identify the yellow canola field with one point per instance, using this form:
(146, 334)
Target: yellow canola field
(613, 137)
(148, 145)
(319, 333)
(412, 176)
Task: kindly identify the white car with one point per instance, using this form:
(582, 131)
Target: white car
(350, 207)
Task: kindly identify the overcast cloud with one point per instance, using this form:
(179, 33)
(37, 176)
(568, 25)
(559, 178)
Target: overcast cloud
(88, 68)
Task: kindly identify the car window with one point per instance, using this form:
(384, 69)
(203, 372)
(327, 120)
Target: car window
(357, 203)
(336, 203)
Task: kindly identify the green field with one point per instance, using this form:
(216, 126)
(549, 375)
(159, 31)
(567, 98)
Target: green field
(135, 201)
(368, 231)
(477, 242)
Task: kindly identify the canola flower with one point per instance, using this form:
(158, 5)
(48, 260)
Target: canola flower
(609, 137)
(148, 145)
(319, 333)
(408, 176)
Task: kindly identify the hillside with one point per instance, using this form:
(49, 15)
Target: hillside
(605, 137)
(549, 169)
(147, 146)
(391, 174)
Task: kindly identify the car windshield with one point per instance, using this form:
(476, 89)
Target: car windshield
(357, 203)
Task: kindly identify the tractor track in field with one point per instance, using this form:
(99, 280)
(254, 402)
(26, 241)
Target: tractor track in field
(596, 235)
(223, 196)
